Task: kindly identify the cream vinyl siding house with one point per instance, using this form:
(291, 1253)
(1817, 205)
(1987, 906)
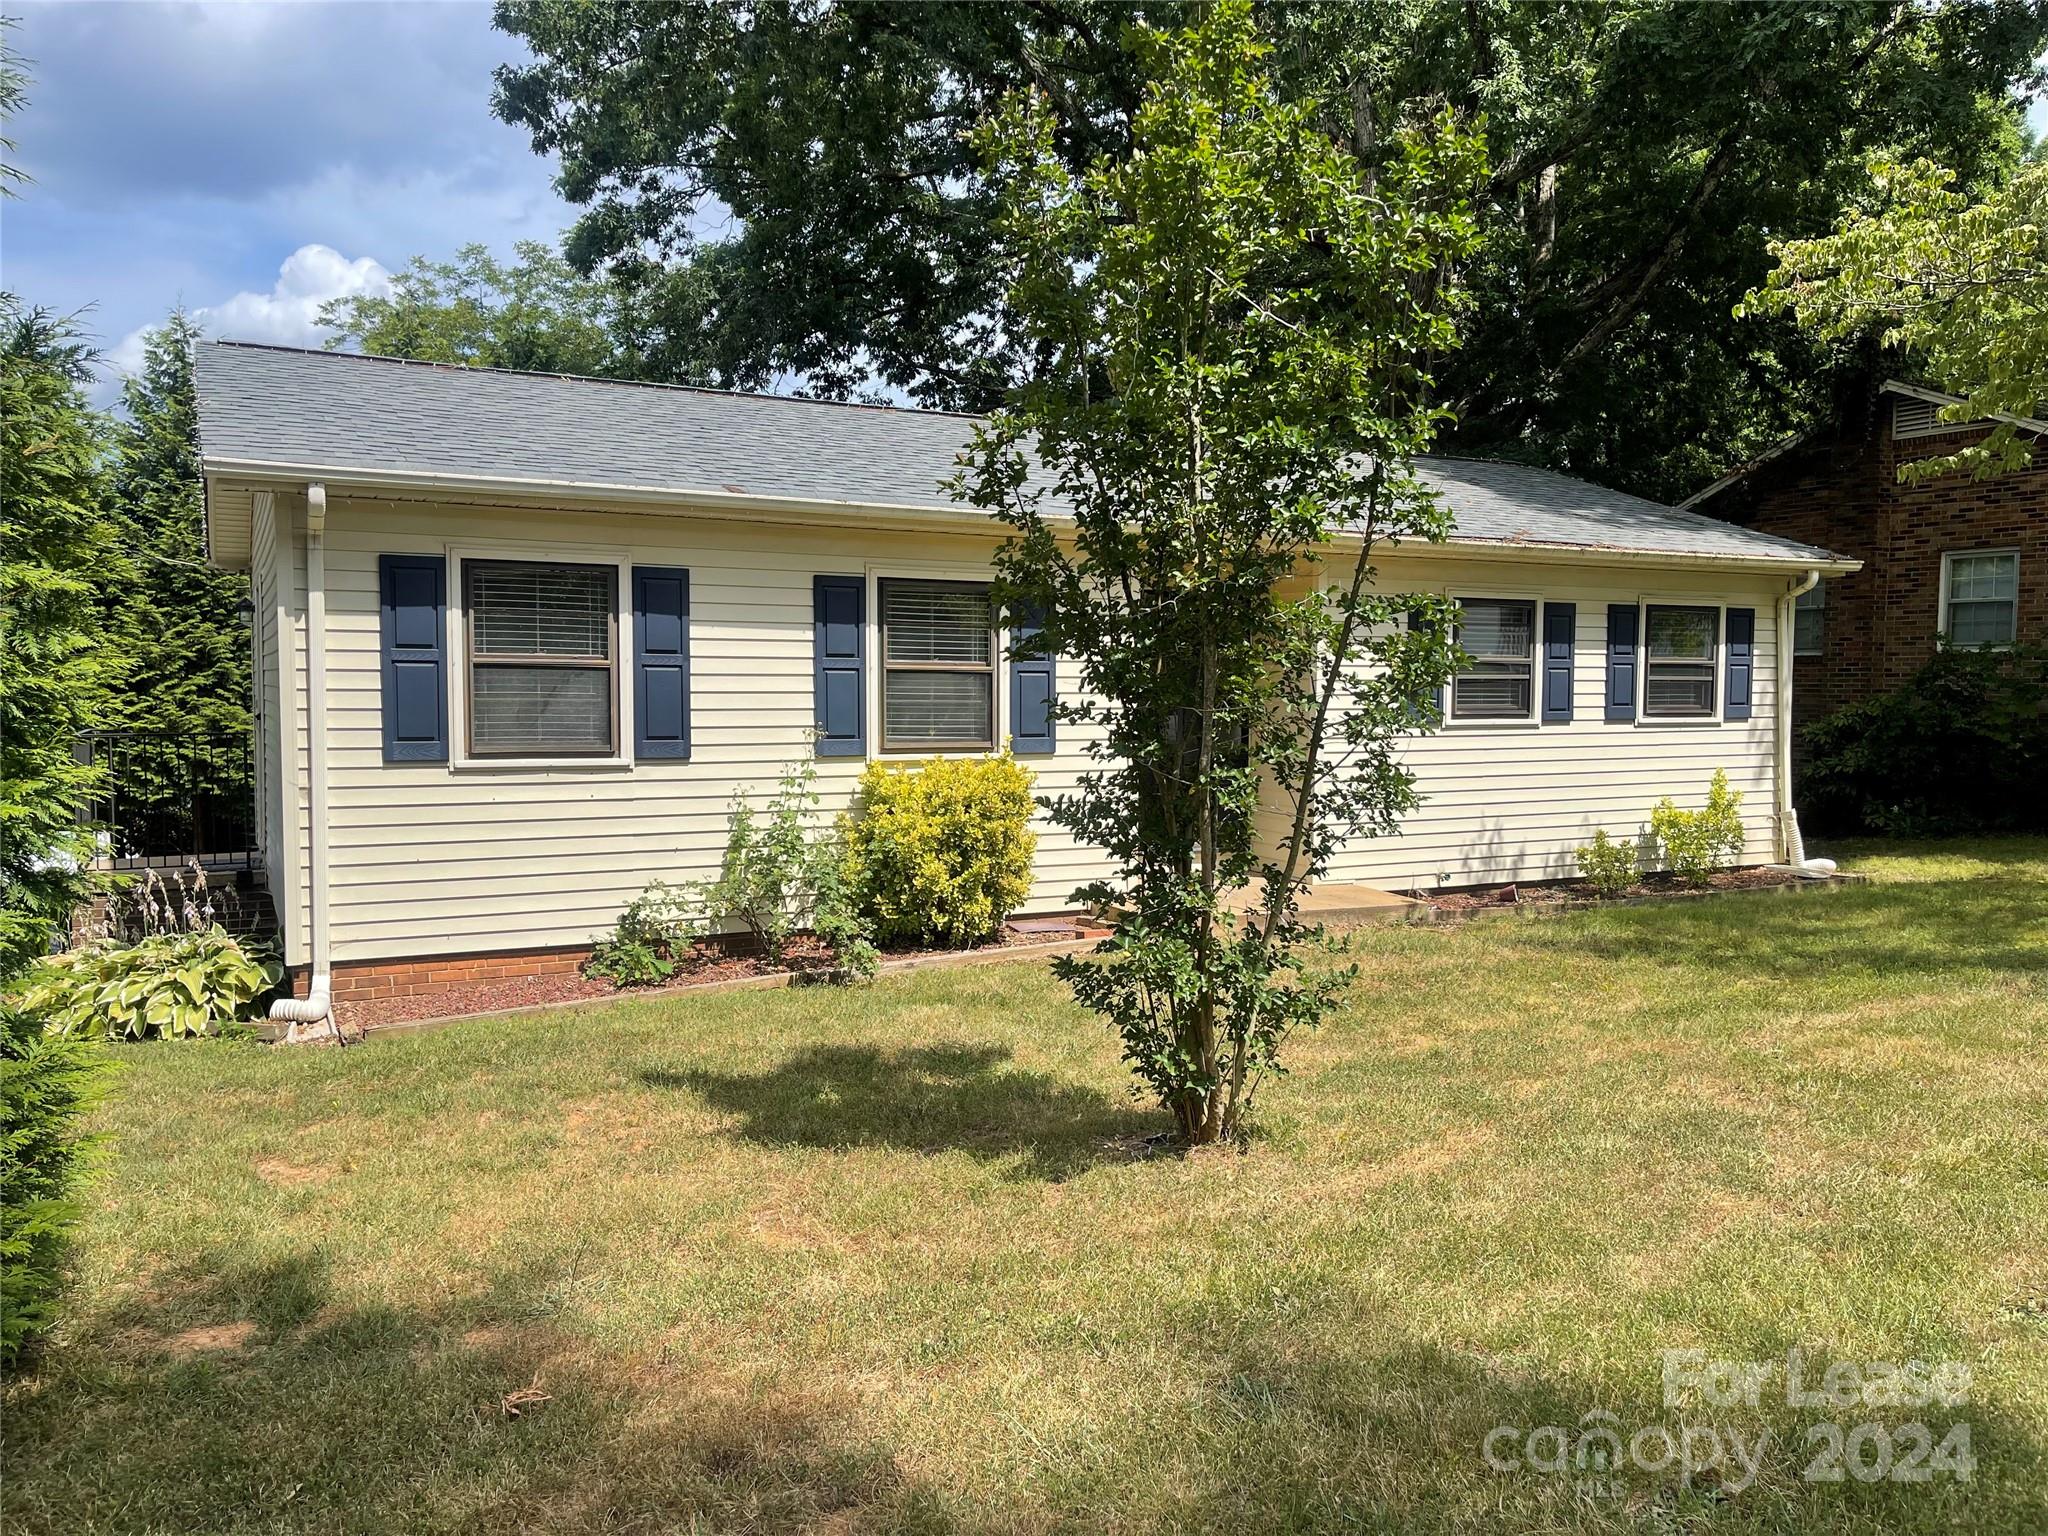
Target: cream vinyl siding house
(561, 624)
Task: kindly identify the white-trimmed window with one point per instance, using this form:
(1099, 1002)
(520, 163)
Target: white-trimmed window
(1681, 653)
(541, 656)
(938, 666)
(1810, 620)
(1980, 598)
(1499, 682)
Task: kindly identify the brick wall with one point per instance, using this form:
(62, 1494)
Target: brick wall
(357, 981)
(1843, 494)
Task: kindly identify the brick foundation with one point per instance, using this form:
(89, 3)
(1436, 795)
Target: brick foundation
(361, 981)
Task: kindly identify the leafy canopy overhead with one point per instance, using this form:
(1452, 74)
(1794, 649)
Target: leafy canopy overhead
(1644, 156)
(1235, 324)
(1962, 284)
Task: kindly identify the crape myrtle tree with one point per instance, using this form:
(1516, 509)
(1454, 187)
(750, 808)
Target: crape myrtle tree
(1234, 324)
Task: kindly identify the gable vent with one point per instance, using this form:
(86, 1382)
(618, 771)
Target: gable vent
(1916, 418)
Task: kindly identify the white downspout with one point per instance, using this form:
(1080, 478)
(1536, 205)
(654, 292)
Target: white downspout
(1790, 844)
(318, 1003)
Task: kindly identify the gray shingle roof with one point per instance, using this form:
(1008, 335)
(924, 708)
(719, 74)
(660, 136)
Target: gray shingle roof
(331, 411)
(1516, 504)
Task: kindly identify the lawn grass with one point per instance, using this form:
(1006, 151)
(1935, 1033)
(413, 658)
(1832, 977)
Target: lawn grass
(895, 1260)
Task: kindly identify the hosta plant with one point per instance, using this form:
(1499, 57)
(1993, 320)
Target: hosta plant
(167, 985)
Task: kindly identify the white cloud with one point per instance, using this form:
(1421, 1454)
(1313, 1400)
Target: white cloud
(288, 314)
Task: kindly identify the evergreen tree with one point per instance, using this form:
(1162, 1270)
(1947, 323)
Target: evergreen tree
(182, 621)
(57, 667)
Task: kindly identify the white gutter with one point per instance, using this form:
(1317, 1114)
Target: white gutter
(318, 1003)
(840, 512)
(1791, 847)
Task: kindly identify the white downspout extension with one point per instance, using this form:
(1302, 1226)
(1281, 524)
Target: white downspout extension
(1791, 846)
(318, 1003)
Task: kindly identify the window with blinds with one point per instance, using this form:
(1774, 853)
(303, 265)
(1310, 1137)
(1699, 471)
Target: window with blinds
(938, 666)
(1499, 681)
(1679, 655)
(543, 652)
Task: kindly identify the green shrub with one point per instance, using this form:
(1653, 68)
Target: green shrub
(1961, 747)
(1696, 843)
(942, 849)
(842, 927)
(774, 867)
(655, 931)
(46, 1083)
(167, 985)
(627, 963)
(1609, 866)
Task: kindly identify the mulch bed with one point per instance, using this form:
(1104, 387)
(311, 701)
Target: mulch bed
(1577, 893)
(708, 963)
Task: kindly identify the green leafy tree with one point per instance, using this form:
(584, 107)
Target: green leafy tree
(1962, 284)
(1236, 322)
(533, 313)
(1644, 153)
(57, 669)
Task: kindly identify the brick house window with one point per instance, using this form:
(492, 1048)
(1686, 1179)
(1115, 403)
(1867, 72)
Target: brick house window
(1810, 620)
(1980, 598)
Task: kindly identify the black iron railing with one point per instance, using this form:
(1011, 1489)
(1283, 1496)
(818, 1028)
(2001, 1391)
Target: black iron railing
(167, 798)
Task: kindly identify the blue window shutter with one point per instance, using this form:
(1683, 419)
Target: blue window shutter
(1622, 622)
(1560, 637)
(661, 662)
(1741, 662)
(414, 602)
(1033, 685)
(1429, 720)
(839, 614)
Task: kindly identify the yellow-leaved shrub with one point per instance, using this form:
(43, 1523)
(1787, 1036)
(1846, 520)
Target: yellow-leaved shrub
(940, 851)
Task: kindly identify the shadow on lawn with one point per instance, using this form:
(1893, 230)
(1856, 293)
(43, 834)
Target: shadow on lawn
(952, 1096)
(1909, 929)
(236, 1397)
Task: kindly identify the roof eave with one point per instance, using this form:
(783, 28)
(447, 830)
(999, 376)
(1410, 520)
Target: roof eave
(1792, 561)
(1939, 397)
(604, 493)
(872, 514)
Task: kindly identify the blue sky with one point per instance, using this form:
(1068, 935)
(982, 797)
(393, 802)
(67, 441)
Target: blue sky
(253, 158)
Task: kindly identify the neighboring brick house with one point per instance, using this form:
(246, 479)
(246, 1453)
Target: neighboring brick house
(1955, 556)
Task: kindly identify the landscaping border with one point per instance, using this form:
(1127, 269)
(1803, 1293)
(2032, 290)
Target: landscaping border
(942, 960)
(1422, 914)
(1427, 914)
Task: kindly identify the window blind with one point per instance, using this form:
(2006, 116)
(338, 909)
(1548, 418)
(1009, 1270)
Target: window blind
(542, 669)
